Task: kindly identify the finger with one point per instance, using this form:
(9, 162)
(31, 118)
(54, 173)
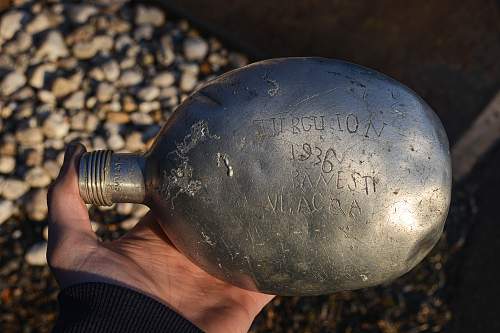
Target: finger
(68, 215)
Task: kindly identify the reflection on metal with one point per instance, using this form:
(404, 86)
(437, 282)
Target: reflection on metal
(295, 176)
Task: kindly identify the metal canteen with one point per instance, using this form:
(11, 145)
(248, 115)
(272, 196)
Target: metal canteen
(293, 176)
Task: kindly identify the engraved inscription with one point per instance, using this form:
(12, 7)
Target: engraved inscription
(344, 180)
(280, 203)
(349, 123)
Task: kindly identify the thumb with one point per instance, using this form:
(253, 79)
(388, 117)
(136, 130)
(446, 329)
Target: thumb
(69, 222)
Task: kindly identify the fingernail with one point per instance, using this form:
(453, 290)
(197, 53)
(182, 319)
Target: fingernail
(68, 154)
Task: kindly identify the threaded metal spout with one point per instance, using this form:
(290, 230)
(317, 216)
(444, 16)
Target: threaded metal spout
(106, 177)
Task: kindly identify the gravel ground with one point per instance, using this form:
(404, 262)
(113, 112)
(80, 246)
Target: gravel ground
(110, 74)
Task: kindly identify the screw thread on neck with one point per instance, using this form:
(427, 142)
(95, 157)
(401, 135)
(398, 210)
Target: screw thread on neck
(94, 177)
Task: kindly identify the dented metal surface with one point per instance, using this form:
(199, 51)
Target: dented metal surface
(301, 176)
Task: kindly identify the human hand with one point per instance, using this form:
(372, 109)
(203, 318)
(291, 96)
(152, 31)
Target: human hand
(144, 259)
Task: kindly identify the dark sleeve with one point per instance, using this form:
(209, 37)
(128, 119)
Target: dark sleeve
(103, 307)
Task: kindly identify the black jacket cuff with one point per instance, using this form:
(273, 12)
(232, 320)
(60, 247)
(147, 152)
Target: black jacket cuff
(103, 307)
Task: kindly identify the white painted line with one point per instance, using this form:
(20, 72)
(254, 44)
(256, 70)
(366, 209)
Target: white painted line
(477, 140)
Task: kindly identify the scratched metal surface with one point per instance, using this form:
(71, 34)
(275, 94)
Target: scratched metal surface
(302, 176)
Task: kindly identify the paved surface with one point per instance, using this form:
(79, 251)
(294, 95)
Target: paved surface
(476, 305)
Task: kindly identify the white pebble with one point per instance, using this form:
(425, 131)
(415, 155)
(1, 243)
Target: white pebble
(195, 48)
(149, 15)
(37, 254)
(124, 208)
(148, 93)
(41, 22)
(53, 47)
(13, 189)
(130, 78)
(6, 210)
(37, 177)
(140, 210)
(10, 24)
(7, 164)
(82, 12)
(76, 101)
(105, 92)
(56, 126)
(140, 118)
(111, 70)
(116, 142)
(36, 205)
(37, 79)
(12, 82)
(129, 223)
(188, 82)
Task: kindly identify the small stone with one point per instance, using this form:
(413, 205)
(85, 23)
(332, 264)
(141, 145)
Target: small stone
(96, 74)
(118, 117)
(164, 79)
(82, 12)
(111, 70)
(7, 164)
(98, 143)
(56, 126)
(127, 63)
(11, 23)
(23, 94)
(13, 189)
(149, 15)
(139, 118)
(103, 42)
(140, 211)
(34, 157)
(144, 32)
(91, 102)
(76, 101)
(130, 78)
(52, 168)
(53, 47)
(123, 41)
(85, 50)
(91, 123)
(39, 23)
(37, 254)
(8, 145)
(134, 143)
(37, 79)
(56, 144)
(29, 136)
(37, 177)
(147, 107)
(105, 92)
(6, 210)
(65, 86)
(188, 81)
(46, 97)
(116, 142)
(36, 205)
(129, 223)
(45, 232)
(84, 33)
(195, 48)
(124, 208)
(21, 43)
(148, 93)
(129, 104)
(12, 82)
